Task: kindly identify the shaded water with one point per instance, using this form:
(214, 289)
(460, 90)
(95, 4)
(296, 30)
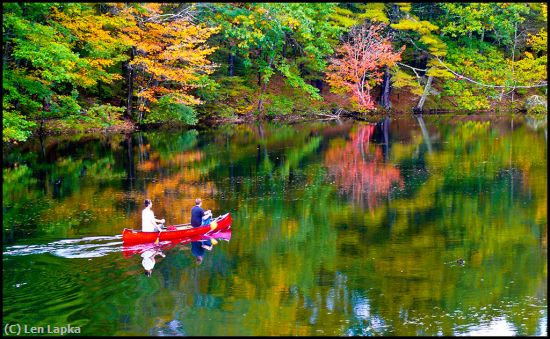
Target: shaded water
(403, 226)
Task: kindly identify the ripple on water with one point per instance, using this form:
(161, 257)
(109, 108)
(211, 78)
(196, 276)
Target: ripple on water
(60, 293)
(88, 247)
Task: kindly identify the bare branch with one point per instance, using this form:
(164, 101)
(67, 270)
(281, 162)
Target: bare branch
(542, 84)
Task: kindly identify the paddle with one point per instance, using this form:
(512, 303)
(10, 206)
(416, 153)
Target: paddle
(158, 238)
(158, 235)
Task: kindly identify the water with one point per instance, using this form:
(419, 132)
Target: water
(400, 226)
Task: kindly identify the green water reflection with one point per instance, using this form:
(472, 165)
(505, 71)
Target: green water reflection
(339, 228)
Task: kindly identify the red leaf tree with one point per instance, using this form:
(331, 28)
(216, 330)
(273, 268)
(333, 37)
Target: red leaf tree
(358, 64)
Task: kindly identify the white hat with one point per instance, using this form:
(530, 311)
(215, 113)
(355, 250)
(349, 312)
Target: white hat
(148, 263)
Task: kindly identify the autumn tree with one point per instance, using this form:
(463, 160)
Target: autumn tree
(359, 63)
(427, 50)
(289, 39)
(169, 60)
(501, 56)
(470, 53)
(51, 54)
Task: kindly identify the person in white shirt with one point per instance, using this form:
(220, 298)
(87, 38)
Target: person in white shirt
(148, 220)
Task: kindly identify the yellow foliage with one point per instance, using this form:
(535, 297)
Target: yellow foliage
(400, 79)
(539, 42)
(422, 27)
(404, 6)
(171, 52)
(152, 7)
(440, 73)
(374, 11)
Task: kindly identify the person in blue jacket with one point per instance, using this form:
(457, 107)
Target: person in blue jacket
(200, 217)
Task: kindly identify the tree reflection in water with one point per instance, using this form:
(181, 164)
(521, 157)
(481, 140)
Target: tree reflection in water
(359, 169)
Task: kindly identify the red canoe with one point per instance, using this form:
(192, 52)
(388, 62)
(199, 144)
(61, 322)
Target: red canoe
(130, 236)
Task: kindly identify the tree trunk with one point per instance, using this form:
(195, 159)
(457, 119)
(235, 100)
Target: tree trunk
(231, 63)
(319, 84)
(386, 129)
(418, 107)
(6, 54)
(261, 101)
(129, 166)
(262, 91)
(261, 133)
(425, 134)
(513, 58)
(386, 88)
(130, 83)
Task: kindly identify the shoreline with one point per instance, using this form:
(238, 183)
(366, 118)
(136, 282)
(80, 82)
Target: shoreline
(53, 128)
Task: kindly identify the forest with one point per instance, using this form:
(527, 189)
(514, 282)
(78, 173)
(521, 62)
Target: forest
(86, 66)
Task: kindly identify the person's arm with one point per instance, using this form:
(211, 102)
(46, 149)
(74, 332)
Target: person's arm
(157, 226)
(158, 220)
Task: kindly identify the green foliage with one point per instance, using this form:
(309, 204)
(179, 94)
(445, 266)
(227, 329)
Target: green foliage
(465, 97)
(405, 6)
(51, 51)
(232, 97)
(483, 62)
(15, 127)
(496, 21)
(23, 92)
(294, 80)
(168, 110)
(264, 33)
(65, 105)
(279, 105)
(105, 115)
(60, 57)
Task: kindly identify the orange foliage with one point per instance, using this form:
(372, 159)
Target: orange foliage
(174, 194)
(177, 159)
(100, 39)
(171, 54)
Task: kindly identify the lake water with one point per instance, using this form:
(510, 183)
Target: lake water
(399, 226)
